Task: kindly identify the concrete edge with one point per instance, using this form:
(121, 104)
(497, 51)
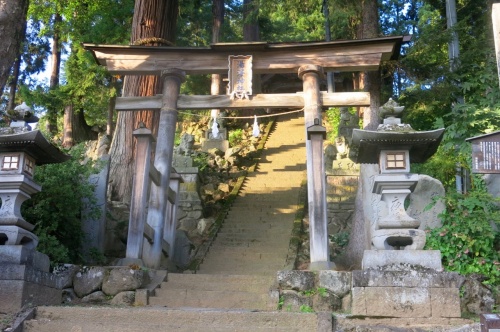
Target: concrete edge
(21, 317)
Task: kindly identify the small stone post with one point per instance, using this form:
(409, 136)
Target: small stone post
(172, 79)
(316, 183)
(140, 186)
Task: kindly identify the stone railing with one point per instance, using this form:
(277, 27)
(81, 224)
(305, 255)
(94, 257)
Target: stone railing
(145, 173)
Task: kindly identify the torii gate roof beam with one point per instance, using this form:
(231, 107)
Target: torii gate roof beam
(352, 55)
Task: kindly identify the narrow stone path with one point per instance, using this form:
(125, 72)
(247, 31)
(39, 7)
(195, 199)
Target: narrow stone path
(255, 236)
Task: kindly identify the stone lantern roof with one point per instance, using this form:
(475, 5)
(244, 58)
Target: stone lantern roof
(34, 144)
(366, 145)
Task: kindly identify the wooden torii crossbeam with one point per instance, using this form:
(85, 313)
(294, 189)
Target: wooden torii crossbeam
(307, 59)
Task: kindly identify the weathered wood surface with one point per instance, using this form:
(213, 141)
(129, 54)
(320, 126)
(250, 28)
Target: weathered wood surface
(282, 100)
(354, 55)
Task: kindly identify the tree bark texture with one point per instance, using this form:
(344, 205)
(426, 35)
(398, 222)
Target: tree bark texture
(153, 25)
(55, 73)
(12, 27)
(251, 24)
(76, 128)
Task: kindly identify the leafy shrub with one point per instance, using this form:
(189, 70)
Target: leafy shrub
(235, 137)
(469, 235)
(56, 210)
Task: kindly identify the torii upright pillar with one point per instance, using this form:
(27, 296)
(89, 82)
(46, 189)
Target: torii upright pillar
(316, 183)
(157, 210)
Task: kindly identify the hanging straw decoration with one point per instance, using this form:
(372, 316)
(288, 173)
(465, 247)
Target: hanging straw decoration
(256, 130)
(215, 128)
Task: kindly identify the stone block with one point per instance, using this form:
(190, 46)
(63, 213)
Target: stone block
(398, 302)
(296, 280)
(292, 300)
(336, 282)
(141, 297)
(28, 274)
(445, 302)
(402, 260)
(410, 278)
(18, 254)
(17, 293)
(88, 280)
(358, 301)
(123, 279)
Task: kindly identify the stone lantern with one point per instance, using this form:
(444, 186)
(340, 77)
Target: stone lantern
(20, 153)
(394, 146)
(399, 278)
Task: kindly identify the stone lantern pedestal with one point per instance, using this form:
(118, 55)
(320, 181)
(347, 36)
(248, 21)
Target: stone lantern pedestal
(24, 272)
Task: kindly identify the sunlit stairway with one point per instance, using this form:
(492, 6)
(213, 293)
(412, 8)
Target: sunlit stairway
(253, 242)
(231, 290)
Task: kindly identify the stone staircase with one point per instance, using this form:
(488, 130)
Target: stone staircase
(233, 288)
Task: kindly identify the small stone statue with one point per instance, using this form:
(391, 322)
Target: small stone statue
(348, 122)
(185, 148)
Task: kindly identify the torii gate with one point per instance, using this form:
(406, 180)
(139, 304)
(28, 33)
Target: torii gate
(309, 60)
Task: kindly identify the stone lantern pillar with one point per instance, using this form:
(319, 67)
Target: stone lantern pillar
(24, 272)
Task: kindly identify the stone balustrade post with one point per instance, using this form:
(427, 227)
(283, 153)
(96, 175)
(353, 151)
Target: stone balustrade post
(316, 181)
(140, 186)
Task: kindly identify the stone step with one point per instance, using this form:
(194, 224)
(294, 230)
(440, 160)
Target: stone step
(218, 249)
(231, 227)
(247, 257)
(219, 282)
(155, 319)
(252, 244)
(224, 299)
(250, 269)
(256, 235)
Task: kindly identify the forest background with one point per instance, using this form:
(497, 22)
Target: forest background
(446, 76)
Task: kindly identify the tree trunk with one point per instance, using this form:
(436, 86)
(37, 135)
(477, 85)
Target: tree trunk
(76, 128)
(360, 237)
(12, 27)
(54, 73)
(13, 83)
(218, 20)
(153, 24)
(250, 19)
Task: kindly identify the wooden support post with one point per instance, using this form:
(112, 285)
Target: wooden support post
(172, 79)
(316, 182)
(140, 186)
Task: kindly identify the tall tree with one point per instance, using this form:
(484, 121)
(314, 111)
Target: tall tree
(154, 24)
(12, 27)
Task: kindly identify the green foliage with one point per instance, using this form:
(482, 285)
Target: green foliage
(469, 237)
(56, 210)
(235, 137)
(332, 117)
(306, 309)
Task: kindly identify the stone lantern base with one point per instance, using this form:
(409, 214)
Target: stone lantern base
(25, 279)
(405, 284)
